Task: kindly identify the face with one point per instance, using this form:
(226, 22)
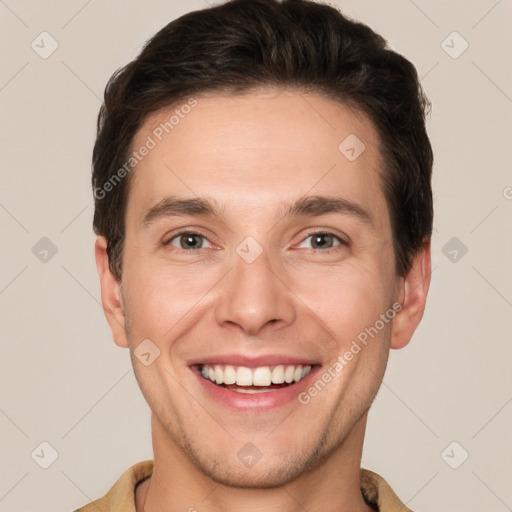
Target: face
(256, 254)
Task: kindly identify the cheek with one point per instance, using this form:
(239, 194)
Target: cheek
(347, 299)
(159, 297)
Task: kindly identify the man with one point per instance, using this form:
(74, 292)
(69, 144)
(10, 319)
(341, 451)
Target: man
(263, 210)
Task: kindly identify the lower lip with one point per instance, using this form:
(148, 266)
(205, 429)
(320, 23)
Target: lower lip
(264, 400)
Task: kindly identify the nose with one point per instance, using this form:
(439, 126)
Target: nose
(255, 297)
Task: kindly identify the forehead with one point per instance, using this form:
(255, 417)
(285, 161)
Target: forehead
(258, 149)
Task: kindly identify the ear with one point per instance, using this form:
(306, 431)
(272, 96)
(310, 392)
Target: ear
(110, 294)
(412, 295)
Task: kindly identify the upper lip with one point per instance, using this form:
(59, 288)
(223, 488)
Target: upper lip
(252, 361)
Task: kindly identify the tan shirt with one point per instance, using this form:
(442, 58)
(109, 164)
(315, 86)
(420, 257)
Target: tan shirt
(121, 497)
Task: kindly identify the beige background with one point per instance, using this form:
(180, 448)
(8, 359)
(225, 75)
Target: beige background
(62, 379)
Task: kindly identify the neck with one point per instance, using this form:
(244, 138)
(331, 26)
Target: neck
(177, 484)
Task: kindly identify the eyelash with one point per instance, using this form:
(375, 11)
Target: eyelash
(341, 241)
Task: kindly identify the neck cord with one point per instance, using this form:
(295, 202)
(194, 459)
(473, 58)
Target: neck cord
(145, 497)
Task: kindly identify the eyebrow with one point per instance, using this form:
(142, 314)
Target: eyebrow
(176, 207)
(312, 206)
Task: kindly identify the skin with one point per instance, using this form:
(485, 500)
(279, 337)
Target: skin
(249, 154)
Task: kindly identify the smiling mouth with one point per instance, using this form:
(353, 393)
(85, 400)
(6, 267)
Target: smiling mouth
(262, 379)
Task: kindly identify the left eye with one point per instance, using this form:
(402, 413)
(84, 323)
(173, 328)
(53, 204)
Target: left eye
(188, 241)
(321, 241)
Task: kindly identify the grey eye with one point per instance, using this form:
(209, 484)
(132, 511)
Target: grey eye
(188, 241)
(321, 241)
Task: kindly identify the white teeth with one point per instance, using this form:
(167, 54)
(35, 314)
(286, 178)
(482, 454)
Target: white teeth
(252, 391)
(243, 376)
(219, 375)
(229, 375)
(262, 376)
(288, 374)
(278, 374)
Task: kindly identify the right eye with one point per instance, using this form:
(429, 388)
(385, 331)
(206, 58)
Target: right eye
(188, 241)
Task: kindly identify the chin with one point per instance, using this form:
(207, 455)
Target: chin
(264, 477)
(270, 470)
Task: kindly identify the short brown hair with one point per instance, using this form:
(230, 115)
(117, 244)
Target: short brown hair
(246, 44)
